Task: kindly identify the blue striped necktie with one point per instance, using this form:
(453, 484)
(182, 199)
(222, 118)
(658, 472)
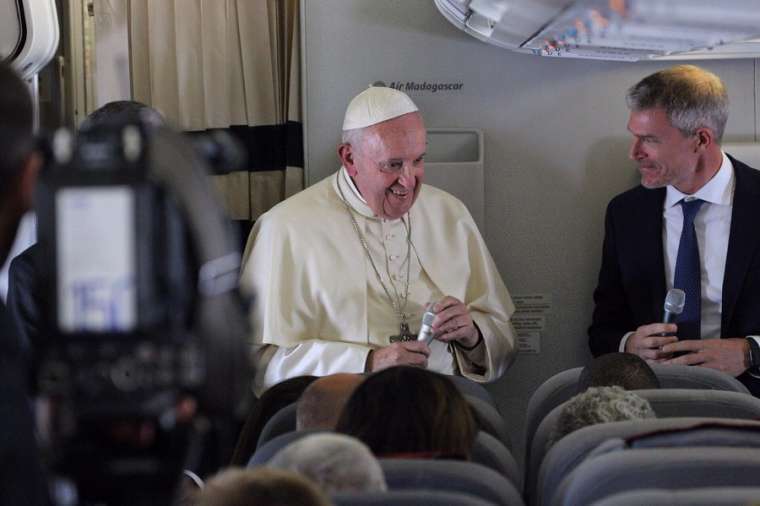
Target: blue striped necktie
(687, 276)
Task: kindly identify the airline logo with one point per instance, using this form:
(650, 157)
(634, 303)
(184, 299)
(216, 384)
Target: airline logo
(417, 87)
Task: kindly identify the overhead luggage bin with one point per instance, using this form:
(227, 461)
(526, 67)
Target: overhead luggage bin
(28, 34)
(631, 30)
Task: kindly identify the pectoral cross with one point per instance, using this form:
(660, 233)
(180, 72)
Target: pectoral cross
(404, 334)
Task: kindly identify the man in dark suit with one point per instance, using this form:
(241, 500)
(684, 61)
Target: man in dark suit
(21, 479)
(691, 225)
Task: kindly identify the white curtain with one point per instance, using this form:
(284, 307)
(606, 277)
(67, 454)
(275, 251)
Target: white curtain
(216, 63)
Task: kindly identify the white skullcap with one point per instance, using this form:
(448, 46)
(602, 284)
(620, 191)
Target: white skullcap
(375, 105)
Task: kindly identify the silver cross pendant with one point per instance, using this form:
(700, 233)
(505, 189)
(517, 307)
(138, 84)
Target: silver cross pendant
(404, 334)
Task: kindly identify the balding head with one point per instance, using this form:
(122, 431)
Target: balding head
(320, 405)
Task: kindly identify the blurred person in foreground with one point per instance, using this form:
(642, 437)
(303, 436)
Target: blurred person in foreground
(21, 477)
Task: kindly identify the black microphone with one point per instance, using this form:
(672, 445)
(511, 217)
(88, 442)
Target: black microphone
(674, 302)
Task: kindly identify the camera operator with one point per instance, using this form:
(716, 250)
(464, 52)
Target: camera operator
(21, 477)
(136, 325)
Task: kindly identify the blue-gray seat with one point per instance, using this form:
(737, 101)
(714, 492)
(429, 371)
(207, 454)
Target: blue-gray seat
(267, 450)
(490, 420)
(472, 388)
(665, 468)
(573, 449)
(707, 496)
(281, 422)
(451, 476)
(666, 403)
(409, 498)
(563, 385)
(486, 450)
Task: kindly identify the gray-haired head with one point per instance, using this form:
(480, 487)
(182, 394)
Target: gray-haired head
(600, 405)
(336, 462)
(692, 97)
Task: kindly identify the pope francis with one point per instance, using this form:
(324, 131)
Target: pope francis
(344, 270)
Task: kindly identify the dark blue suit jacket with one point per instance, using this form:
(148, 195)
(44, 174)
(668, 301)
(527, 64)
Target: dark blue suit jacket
(21, 476)
(632, 286)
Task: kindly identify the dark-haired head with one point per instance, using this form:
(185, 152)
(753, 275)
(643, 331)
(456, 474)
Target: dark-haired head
(19, 161)
(16, 124)
(407, 410)
(124, 111)
(625, 370)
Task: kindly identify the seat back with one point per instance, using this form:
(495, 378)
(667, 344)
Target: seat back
(563, 385)
(409, 498)
(486, 450)
(666, 403)
(490, 420)
(573, 449)
(684, 376)
(267, 450)
(473, 389)
(707, 496)
(670, 468)
(490, 452)
(450, 476)
(281, 422)
(477, 397)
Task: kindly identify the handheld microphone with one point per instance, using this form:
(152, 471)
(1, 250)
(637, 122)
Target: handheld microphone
(426, 330)
(674, 302)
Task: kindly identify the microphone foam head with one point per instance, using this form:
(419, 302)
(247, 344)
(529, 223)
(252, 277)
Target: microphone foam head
(675, 300)
(428, 317)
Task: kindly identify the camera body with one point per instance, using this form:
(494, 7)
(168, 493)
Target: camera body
(138, 276)
(119, 286)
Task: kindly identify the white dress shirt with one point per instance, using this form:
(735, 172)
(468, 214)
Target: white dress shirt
(712, 226)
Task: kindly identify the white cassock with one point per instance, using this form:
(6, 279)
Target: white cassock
(319, 308)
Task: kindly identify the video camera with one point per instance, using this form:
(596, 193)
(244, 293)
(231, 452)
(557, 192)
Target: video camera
(139, 277)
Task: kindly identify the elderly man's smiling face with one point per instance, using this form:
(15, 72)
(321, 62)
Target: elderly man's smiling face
(388, 164)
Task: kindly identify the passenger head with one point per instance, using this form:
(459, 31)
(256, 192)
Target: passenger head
(271, 401)
(625, 370)
(600, 405)
(383, 148)
(260, 487)
(677, 120)
(321, 403)
(409, 411)
(122, 111)
(19, 162)
(335, 462)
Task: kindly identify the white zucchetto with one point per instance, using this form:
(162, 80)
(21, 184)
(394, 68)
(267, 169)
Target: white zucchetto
(375, 105)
